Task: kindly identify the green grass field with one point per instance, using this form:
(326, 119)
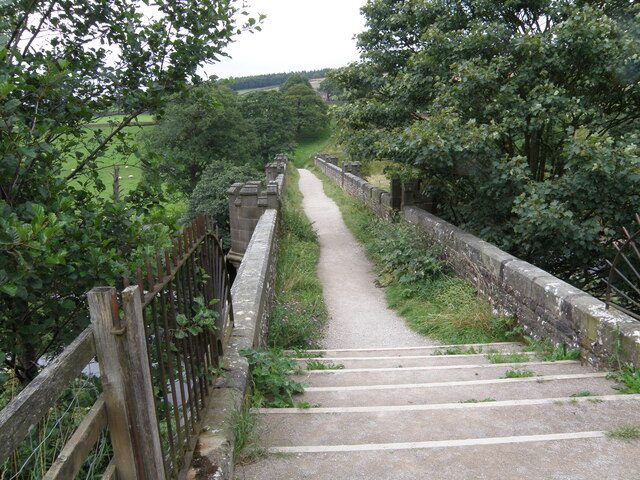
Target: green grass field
(130, 171)
(145, 117)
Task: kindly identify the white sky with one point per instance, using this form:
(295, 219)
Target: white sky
(296, 35)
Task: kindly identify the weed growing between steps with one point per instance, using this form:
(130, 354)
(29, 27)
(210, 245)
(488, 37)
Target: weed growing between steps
(629, 377)
(246, 447)
(271, 382)
(627, 433)
(418, 285)
(458, 351)
(484, 400)
(299, 314)
(513, 357)
(519, 373)
(549, 352)
(317, 365)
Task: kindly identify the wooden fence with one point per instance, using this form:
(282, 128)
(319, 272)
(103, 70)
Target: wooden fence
(158, 349)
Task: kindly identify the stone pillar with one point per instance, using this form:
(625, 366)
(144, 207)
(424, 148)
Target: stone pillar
(412, 196)
(247, 203)
(274, 169)
(354, 168)
(396, 194)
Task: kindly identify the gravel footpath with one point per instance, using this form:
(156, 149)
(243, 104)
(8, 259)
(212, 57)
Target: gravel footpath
(359, 314)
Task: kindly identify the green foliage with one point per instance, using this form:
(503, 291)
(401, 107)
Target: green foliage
(550, 352)
(458, 351)
(272, 120)
(298, 316)
(434, 304)
(64, 64)
(199, 126)
(269, 79)
(44, 442)
(514, 357)
(629, 377)
(293, 80)
(246, 442)
(318, 365)
(330, 88)
(625, 432)
(586, 393)
(308, 148)
(203, 319)
(272, 386)
(402, 254)
(308, 110)
(519, 373)
(210, 195)
(521, 118)
(484, 400)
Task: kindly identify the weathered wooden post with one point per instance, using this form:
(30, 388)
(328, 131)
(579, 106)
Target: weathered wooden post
(126, 378)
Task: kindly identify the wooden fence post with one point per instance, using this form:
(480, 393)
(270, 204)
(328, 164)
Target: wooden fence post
(126, 378)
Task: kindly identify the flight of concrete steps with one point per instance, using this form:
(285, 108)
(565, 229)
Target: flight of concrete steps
(415, 413)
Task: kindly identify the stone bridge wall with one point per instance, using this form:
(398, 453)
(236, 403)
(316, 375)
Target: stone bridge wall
(544, 305)
(256, 221)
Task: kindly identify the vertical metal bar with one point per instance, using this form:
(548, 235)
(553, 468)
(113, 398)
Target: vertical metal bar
(167, 347)
(190, 269)
(161, 363)
(180, 354)
(184, 308)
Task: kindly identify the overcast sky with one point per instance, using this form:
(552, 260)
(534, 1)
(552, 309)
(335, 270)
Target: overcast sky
(296, 35)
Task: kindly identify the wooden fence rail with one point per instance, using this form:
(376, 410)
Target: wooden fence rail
(155, 372)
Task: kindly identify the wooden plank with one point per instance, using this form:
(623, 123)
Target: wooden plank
(139, 389)
(109, 350)
(24, 411)
(76, 450)
(110, 472)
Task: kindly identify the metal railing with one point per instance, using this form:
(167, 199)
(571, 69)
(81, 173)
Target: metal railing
(186, 300)
(158, 361)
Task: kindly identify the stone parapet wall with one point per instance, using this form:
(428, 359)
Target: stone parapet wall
(252, 293)
(375, 198)
(545, 306)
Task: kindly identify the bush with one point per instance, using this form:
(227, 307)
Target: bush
(210, 195)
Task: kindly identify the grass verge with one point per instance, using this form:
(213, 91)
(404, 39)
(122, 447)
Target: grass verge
(299, 314)
(417, 285)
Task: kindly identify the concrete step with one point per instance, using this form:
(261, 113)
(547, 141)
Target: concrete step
(548, 386)
(311, 428)
(440, 373)
(424, 350)
(587, 456)
(405, 360)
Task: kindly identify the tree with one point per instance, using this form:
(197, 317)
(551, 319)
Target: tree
(272, 120)
(295, 79)
(520, 117)
(198, 126)
(62, 63)
(329, 86)
(309, 111)
(210, 195)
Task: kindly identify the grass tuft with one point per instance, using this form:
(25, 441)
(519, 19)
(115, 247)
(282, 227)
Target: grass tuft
(625, 432)
(518, 373)
(299, 315)
(317, 365)
(514, 357)
(246, 447)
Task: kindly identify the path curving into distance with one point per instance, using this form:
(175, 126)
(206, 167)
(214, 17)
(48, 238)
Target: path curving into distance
(358, 310)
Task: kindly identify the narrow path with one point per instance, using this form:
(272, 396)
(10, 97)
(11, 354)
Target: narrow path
(359, 314)
(397, 409)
